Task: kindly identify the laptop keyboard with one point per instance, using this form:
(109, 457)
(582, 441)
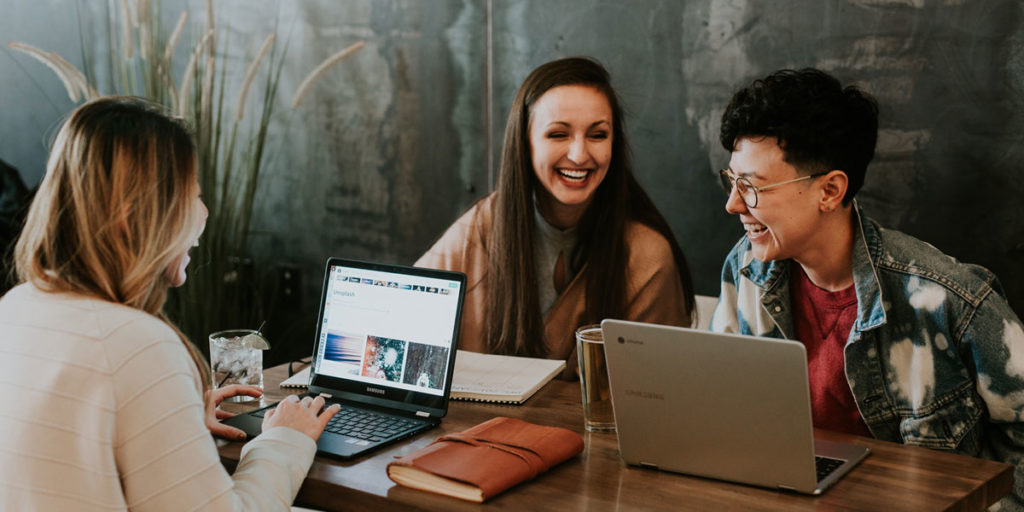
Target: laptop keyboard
(825, 466)
(367, 425)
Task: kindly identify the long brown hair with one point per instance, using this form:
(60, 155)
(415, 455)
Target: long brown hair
(114, 208)
(513, 323)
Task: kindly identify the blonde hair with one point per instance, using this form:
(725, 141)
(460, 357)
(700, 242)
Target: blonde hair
(114, 209)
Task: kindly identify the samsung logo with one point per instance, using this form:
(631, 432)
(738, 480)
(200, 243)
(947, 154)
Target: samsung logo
(645, 394)
(375, 390)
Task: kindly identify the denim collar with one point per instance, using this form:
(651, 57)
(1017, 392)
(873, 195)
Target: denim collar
(867, 249)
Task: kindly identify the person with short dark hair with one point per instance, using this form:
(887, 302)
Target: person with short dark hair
(904, 343)
(568, 237)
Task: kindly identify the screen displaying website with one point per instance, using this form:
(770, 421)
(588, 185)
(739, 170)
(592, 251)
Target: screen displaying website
(387, 329)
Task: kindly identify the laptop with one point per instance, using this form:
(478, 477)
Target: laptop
(723, 406)
(385, 351)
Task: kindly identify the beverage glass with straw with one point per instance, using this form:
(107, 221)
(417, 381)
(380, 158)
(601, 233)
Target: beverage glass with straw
(236, 357)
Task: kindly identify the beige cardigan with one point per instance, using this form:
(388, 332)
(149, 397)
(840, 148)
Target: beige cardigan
(655, 293)
(102, 411)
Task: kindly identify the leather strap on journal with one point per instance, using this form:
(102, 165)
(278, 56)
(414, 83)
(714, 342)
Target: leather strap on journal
(532, 459)
(496, 454)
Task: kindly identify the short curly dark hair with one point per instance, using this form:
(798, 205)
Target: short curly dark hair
(820, 125)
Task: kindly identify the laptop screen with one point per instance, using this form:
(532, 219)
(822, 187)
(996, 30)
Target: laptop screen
(388, 331)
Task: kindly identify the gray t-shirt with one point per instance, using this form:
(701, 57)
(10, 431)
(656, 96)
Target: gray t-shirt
(549, 243)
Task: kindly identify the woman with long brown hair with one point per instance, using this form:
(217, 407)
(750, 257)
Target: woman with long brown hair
(568, 237)
(108, 404)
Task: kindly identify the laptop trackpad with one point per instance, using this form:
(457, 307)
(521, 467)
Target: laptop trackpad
(341, 446)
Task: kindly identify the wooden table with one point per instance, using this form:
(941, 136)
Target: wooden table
(894, 477)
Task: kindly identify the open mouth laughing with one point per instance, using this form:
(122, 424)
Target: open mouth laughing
(754, 229)
(574, 176)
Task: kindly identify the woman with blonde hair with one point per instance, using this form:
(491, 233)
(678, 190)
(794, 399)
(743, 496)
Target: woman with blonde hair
(108, 405)
(568, 237)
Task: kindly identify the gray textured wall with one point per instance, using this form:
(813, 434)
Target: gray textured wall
(393, 145)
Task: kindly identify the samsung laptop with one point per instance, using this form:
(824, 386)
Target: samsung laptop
(385, 351)
(723, 406)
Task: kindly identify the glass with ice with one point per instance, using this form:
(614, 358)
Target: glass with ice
(236, 357)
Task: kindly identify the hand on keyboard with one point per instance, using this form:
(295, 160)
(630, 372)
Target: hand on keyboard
(303, 415)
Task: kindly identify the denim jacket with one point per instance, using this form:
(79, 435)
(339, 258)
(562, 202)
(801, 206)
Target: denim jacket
(935, 357)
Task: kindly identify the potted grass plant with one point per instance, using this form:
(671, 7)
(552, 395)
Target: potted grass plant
(221, 291)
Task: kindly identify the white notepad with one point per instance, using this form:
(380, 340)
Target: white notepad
(299, 380)
(502, 379)
(485, 377)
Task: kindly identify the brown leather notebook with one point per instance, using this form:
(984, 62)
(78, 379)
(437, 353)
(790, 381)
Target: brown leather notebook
(485, 460)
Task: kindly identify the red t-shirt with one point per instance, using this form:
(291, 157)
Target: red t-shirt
(823, 321)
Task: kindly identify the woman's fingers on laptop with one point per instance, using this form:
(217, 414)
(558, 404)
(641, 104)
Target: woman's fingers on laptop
(327, 414)
(300, 415)
(316, 403)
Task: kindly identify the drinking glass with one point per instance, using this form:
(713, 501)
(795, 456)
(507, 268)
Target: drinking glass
(236, 357)
(597, 399)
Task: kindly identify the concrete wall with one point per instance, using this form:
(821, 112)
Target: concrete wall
(401, 138)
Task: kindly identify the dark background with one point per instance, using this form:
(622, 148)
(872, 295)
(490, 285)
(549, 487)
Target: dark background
(397, 141)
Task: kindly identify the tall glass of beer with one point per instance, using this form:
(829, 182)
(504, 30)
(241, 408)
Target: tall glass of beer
(597, 399)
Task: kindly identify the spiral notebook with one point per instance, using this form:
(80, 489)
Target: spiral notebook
(299, 380)
(481, 377)
(500, 379)
(485, 377)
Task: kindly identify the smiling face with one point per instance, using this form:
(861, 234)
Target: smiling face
(176, 270)
(785, 222)
(571, 148)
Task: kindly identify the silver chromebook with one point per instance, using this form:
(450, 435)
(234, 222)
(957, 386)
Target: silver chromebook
(722, 406)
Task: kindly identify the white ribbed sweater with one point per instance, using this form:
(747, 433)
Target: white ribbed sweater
(101, 410)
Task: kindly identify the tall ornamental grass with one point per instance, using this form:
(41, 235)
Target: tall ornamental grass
(222, 291)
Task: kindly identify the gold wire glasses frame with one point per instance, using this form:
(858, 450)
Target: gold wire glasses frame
(748, 191)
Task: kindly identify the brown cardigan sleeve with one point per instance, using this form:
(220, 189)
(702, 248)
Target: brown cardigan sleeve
(656, 294)
(461, 249)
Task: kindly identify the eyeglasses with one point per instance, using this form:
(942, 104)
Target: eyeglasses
(747, 189)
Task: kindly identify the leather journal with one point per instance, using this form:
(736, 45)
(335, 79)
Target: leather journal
(485, 460)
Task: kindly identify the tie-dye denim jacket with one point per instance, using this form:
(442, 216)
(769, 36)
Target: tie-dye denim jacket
(935, 357)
